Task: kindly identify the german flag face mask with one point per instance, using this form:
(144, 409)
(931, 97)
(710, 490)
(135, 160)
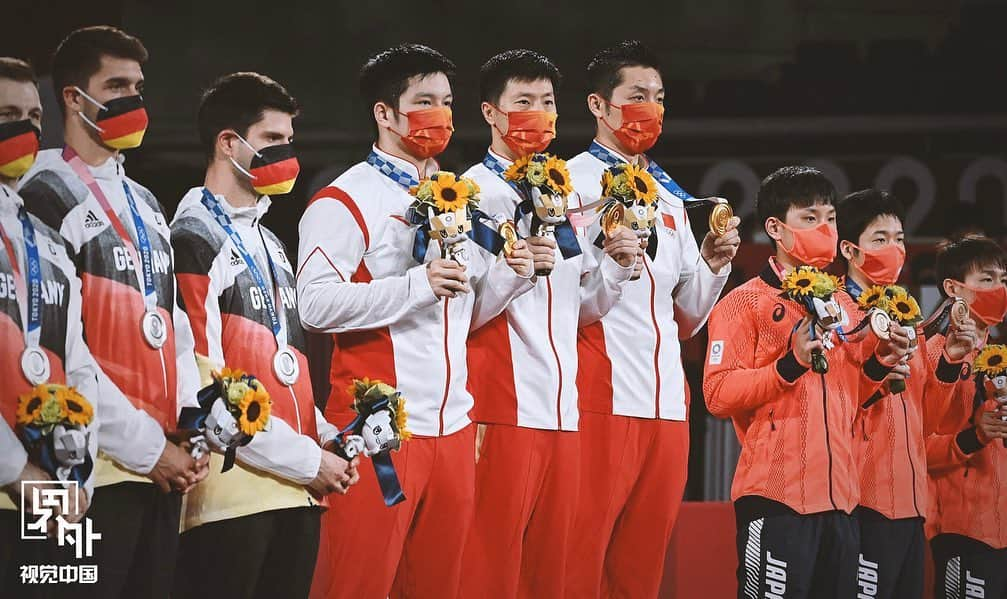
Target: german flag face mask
(121, 122)
(273, 170)
(18, 147)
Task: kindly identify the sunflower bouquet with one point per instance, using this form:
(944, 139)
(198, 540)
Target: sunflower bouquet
(629, 195)
(544, 179)
(899, 306)
(814, 289)
(233, 408)
(443, 209)
(379, 428)
(990, 368)
(52, 422)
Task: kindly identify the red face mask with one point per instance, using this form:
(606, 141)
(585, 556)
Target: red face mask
(989, 304)
(641, 125)
(429, 131)
(528, 131)
(882, 266)
(813, 247)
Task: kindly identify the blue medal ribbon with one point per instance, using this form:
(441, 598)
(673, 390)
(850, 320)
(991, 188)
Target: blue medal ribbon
(566, 238)
(211, 204)
(142, 240)
(388, 480)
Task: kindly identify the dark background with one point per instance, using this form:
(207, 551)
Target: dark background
(909, 95)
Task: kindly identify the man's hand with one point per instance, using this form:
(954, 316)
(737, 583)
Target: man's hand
(480, 436)
(891, 351)
(802, 344)
(719, 250)
(332, 477)
(521, 259)
(989, 426)
(77, 506)
(624, 247)
(543, 252)
(447, 278)
(174, 470)
(961, 340)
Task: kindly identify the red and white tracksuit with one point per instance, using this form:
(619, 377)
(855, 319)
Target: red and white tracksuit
(522, 374)
(634, 405)
(357, 279)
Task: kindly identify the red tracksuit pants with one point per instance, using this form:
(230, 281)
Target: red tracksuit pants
(527, 482)
(410, 550)
(633, 473)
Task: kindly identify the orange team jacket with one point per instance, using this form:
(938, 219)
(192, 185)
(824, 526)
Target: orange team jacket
(795, 426)
(970, 494)
(891, 434)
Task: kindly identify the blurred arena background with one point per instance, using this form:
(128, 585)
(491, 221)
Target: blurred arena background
(906, 95)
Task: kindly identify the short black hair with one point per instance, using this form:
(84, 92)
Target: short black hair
(971, 253)
(16, 69)
(604, 72)
(514, 65)
(238, 101)
(78, 57)
(385, 76)
(792, 186)
(857, 211)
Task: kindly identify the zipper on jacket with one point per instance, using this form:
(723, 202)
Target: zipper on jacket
(447, 369)
(912, 466)
(828, 443)
(657, 345)
(772, 423)
(559, 366)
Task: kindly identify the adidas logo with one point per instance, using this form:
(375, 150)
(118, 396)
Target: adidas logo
(91, 221)
(235, 259)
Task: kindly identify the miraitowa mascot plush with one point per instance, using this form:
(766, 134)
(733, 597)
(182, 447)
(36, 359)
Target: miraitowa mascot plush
(232, 410)
(378, 429)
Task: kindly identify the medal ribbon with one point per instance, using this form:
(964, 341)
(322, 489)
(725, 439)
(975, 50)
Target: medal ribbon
(144, 258)
(31, 322)
(268, 298)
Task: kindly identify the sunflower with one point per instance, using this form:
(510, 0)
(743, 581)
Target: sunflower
(254, 410)
(401, 418)
(557, 176)
(516, 171)
(642, 183)
(77, 409)
(901, 306)
(801, 281)
(870, 296)
(29, 405)
(992, 360)
(606, 183)
(449, 193)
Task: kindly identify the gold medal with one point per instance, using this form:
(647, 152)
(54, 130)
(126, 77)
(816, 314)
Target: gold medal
(509, 234)
(720, 217)
(613, 219)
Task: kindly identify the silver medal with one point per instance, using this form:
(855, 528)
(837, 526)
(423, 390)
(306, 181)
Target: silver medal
(35, 365)
(285, 366)
(155, 330)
